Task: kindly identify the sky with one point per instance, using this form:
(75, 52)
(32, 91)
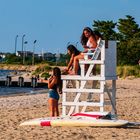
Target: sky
(55, 23)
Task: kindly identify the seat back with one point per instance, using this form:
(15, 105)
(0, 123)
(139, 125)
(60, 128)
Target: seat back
(94, 55)
(97, 50)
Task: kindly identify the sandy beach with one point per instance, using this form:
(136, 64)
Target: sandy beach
(16, 109)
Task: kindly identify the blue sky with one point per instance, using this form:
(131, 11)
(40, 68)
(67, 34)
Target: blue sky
(54, 23)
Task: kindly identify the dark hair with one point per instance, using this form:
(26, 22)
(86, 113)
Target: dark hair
(73, 50)
(57, 74)
(95, 34)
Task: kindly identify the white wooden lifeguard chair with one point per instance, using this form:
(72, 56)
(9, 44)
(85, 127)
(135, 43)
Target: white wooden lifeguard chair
(72, 100)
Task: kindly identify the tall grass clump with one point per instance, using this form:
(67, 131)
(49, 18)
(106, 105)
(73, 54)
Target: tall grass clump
(42, 70)
(125, 71)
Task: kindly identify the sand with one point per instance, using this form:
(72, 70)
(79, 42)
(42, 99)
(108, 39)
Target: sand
(16, 109)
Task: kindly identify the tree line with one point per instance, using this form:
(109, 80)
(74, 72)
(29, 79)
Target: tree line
(127, 32)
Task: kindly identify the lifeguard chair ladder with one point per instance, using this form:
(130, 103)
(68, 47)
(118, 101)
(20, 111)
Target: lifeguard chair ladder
(106, 58)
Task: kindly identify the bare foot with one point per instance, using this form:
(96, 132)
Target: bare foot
(72, 73)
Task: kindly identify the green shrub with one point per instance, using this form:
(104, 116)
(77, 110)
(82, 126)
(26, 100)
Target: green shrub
(47, 68)
(137, 71)
(45, 75)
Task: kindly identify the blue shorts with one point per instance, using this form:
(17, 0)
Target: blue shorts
(53, 94)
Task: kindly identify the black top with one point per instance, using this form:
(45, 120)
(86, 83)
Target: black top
(54, 87)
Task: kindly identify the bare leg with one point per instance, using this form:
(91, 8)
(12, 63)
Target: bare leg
(51, 107)
(56, 108)
(76, 62)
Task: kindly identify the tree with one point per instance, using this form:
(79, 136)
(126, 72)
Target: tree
(12, 59)
(128, 28)
(106, 28)
(129, 46)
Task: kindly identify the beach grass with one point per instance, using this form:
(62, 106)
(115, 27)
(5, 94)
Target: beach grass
(125, 71)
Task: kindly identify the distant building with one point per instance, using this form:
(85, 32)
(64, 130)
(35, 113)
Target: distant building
(27, 53)
(48, 56)
(2, 56)
(57, 56)
(45, 56)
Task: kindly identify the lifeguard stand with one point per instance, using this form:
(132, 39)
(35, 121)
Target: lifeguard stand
(74, 86)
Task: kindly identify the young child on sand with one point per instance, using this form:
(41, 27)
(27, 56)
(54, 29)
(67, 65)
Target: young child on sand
(55, 88)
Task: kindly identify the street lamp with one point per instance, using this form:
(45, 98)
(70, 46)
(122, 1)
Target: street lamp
(33, 57)
(16, 43)
(22, 46)
(24, 52)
